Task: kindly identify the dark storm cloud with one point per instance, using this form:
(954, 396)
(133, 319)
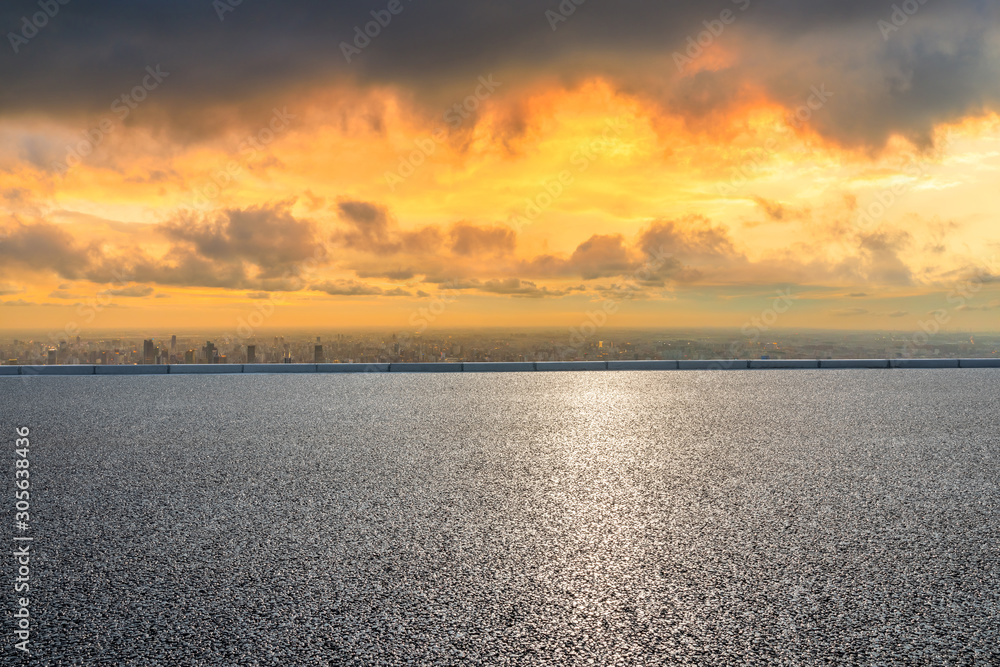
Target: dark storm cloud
(937, 66)
(389, 274)
(134, 291)
(370, 229)
(180, 267)
(691, 238)
(91, 50)
(774, 210)
(347, 288)
(599, 256)
(469, 239)
(262, 248)
(878, 260)
(355, 288)
(267, 236)
(42, 247)
(518, 288)
(513, 287)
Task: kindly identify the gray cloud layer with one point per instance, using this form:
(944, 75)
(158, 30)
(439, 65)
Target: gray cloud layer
(940, 64)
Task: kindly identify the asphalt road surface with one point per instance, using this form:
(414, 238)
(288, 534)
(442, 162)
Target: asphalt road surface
(616, 518)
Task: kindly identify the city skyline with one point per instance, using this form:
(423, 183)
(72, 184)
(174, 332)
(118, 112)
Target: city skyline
(492, 346)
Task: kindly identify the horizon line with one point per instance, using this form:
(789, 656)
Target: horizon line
(498, 366)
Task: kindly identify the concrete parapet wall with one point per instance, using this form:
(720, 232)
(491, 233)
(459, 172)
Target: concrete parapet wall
(642, 365)
(204, 369)
(57, 370)
(279, 368)
(571, 365)
(924, 363)
(854, 363)
(352, 368)
(979, 363)
(783, 364)
(498, 366)
(426, 368)
(152, 369)
(712, 364)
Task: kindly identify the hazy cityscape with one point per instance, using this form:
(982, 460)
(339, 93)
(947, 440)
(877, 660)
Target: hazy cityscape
(485, 345)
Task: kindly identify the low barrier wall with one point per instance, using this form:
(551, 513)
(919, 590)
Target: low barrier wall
(505, 367)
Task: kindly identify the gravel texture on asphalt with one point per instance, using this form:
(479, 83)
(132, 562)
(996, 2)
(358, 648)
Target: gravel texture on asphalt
(807, 517)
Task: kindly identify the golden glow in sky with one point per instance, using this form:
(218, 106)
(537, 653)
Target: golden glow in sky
(521, 195)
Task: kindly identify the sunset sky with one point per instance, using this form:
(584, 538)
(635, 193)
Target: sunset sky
(510, 164)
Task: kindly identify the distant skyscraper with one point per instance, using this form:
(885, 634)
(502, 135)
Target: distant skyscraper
(173, 344)
(318, 354)
(148, 352)
(52, 357)
(189, 357)
(210, 352)
(251, 354)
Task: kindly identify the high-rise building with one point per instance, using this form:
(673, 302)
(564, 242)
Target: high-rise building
(189, 357)
(148, 352)
(173, 344)
(251, 354)
(318, 354)
(210, 352)
(52, 357)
